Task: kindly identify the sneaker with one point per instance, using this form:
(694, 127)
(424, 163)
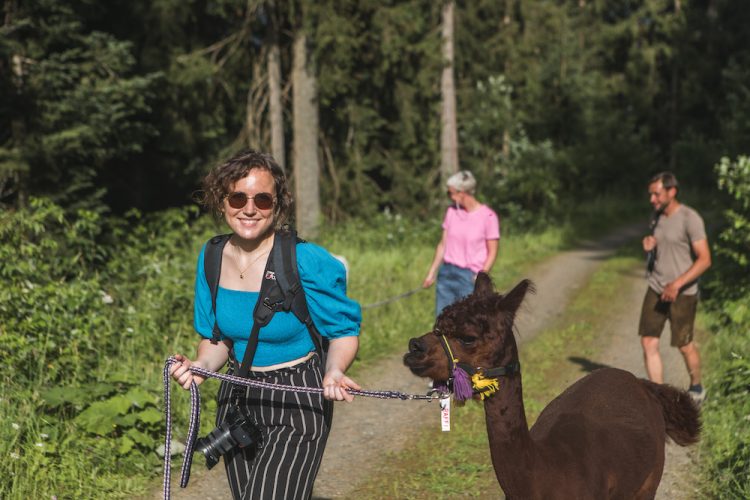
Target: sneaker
(697, 394)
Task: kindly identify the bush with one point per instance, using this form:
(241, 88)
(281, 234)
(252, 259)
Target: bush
(89, 309)
(726, 414)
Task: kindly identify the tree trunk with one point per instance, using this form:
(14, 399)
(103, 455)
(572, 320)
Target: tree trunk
(449, 135)
(275, 108)
(306, 169)
(255, 107)
(13, 181)
(674, 99)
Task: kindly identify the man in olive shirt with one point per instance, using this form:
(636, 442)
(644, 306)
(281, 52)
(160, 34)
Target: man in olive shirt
(681, 256)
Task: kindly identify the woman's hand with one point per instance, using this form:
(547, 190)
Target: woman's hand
(341, 353)
(336, 385)
(437, 261)
(210, 357)
(180, 371)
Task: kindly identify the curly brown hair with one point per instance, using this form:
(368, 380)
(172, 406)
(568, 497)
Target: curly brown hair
(217, 183)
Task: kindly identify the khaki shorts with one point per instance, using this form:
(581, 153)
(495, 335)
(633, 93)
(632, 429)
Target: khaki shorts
(680, 313)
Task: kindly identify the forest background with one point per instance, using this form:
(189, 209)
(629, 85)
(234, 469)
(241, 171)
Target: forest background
(111, 112)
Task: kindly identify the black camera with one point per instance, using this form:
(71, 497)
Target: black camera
(236, 430)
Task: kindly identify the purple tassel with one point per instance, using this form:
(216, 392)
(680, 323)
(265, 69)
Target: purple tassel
(462, 388)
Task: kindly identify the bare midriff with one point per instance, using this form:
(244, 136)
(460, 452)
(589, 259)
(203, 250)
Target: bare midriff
(285, 364)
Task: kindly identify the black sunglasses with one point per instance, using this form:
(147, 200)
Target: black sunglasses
(238, 199)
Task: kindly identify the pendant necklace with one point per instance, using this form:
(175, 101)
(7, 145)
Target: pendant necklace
(242, 271)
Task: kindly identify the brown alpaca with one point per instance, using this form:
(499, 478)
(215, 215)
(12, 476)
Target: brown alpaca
(603, 437)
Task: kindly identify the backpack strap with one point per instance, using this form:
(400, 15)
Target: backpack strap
(291, 286)
(285, 252)
(280, 290)
(212, 269)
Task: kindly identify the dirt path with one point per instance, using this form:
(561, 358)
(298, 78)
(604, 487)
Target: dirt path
(368, 430)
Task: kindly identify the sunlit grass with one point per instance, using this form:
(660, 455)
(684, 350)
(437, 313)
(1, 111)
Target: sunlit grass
(725, 444)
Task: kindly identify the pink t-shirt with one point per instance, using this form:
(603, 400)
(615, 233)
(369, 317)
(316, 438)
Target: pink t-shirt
(467, 234)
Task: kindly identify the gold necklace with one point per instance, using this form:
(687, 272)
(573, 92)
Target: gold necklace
(242, 271)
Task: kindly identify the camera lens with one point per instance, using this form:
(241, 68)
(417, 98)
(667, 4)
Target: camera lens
(213, 446)
(236, 430)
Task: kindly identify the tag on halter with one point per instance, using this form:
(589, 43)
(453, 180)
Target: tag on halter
(445, 413)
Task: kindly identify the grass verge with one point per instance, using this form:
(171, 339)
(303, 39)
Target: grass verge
(725, 444)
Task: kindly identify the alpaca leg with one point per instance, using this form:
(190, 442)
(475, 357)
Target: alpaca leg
(652, 359)
(649, 487)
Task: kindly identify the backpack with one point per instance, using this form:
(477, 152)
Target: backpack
(280, 290)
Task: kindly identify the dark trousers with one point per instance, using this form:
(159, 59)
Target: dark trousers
(294, 430)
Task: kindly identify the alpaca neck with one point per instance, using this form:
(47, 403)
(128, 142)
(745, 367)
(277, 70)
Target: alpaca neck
(511, 447)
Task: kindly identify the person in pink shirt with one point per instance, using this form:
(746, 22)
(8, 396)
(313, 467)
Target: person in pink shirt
(471, 231)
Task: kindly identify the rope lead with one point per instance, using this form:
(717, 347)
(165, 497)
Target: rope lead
(195, 412)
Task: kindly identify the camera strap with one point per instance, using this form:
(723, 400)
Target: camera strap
(651, 255)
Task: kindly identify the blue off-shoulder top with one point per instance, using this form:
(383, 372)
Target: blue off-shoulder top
(285, 338)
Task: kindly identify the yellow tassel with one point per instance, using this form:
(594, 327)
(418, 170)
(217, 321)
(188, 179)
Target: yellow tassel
(485, 386)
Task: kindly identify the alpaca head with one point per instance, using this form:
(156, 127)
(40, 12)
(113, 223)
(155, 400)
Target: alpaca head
(477, 329)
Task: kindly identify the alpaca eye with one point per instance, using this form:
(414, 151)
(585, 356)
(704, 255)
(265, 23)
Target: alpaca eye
(467, 341)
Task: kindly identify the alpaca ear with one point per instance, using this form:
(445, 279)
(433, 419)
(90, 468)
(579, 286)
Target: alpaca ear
(483, 284)
(512, 300)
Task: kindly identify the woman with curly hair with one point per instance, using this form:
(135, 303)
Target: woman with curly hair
(250, 192)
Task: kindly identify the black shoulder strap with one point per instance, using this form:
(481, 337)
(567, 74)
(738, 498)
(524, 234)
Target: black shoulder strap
(654, 221)
(212, 269)
(292, 286)
(280, 291)
(651, 255)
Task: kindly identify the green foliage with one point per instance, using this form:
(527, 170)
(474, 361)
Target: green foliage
(727, 410)
(125, 104)
(734, 178)
(733, 247)
(89, 309)
(78, 106)
(377, 67)
(48, 291)
(725, 431)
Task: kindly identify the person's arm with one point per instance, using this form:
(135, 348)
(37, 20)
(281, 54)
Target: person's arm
(341, 353)
(209, 357)
(491, 255)
(436, 261)
(336, 316)
(700, 264)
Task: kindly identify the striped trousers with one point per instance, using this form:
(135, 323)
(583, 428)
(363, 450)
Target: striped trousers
(294, 427)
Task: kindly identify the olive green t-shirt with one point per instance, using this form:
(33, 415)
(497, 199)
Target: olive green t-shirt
(674, 253)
